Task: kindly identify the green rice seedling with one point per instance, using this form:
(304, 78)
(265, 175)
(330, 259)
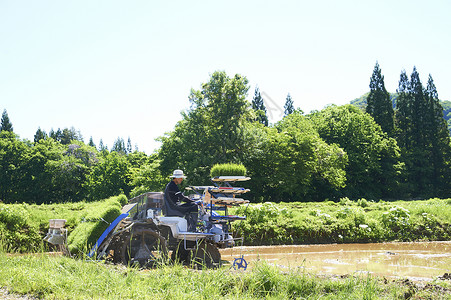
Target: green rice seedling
(16, 229)
(228, 169)
(93, 224)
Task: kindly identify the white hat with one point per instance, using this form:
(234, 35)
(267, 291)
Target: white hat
(178, 174)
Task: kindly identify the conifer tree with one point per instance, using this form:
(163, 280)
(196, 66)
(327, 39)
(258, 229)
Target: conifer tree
(379, 105)
(129, 146)
(56, 135)
(6, 123)
(40, 135)
(419, 109)
(259, 106)
(119, 146)
(288, 107)
(423, 137)
(403, 113)
(102, 147)
(91, 142)
(437, 135)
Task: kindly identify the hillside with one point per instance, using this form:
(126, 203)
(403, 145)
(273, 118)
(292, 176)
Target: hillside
(361, 103)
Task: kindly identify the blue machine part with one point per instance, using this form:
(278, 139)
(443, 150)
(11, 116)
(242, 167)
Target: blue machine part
(109, 229)
(239, 263)
(217, 216)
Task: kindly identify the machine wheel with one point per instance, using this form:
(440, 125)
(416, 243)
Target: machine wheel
(206, 255)
(180, 254)
(144, 246)
(115, 248)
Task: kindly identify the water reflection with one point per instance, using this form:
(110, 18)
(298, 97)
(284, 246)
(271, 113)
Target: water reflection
(421, 260)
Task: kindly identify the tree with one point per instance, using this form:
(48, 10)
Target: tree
(437, 134)
(38, 184)
(56, 135)
(258, 105)
(119, 146)
(91, 142)
(109, 177)
(423, 137)
(288, 107)
(403, 116)
(102, 147)
(146, 175)
(379, 104)
(6, 123)
(68, 135)
(129, 146)
(39, 135)
(292, 163)
(374, 159)
(12, 154)
(210, 131)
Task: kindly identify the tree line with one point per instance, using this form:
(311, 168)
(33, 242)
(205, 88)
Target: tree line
(379, 152)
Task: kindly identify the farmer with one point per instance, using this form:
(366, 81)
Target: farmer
(175, 197)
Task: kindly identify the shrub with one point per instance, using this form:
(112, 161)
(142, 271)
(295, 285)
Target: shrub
(345, 201)
(362, 202)
(228, 170)
(396, 216)
(264, 212)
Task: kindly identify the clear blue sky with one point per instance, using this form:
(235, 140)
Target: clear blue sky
(125, 68)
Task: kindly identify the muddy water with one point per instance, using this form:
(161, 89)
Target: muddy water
(425, 260)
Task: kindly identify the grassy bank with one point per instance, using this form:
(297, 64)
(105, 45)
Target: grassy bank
(23, 226)
(47, 277)
(345, 222)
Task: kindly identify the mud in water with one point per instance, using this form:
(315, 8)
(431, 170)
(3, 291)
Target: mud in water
(420, 260)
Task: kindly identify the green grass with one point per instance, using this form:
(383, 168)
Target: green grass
(348, 221)
(47, 277)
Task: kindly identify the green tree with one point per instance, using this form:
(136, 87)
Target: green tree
(39, 135)
(56, 135)
(403, 117)
(292, 163)
(12, 153)
(423, 137)
(258, 105)
(91, 143)
(102, 147)
(111, 176)
(437, 135)
(379, 104)
(37, 185)
(129, 146)
(119, 146)
(374, 159)
(288, 107)
(68, 135)
(146, 175)
(210, 131)
(6, 124)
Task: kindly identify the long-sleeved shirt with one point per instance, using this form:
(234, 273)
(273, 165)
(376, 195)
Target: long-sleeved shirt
(173, 193)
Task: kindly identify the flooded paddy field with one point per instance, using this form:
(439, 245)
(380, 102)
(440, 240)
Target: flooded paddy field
(419, 260)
